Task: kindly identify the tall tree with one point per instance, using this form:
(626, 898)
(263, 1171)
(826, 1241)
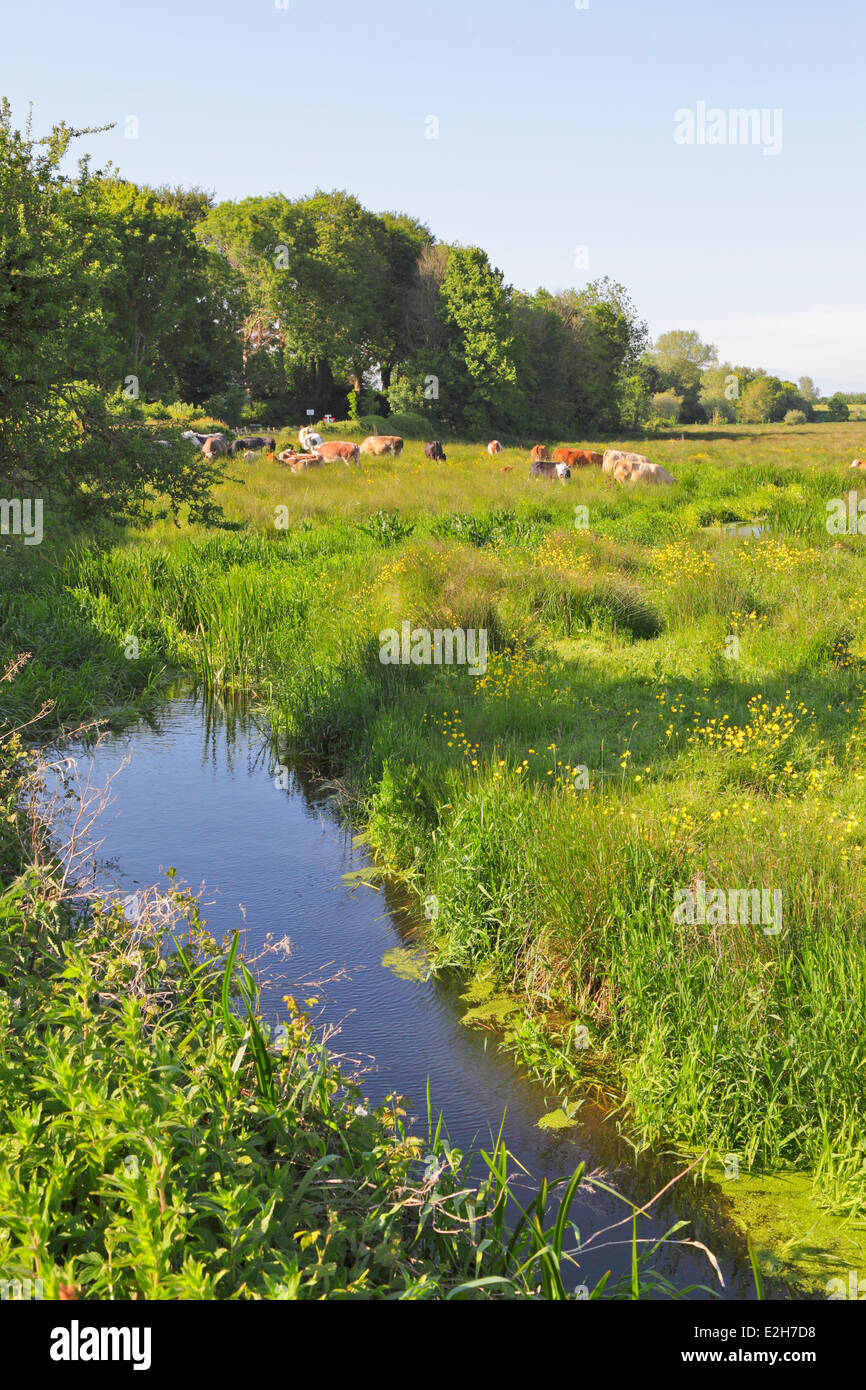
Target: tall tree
(57, 435)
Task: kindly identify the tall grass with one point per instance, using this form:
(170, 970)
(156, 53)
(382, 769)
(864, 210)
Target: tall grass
(611, 652)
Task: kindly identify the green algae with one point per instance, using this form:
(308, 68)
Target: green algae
(793, 1238)
(407, 965)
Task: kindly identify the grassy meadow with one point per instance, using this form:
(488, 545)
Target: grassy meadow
(667, 703)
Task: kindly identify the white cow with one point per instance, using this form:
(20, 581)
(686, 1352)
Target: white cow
(309, 439)
(614, 456)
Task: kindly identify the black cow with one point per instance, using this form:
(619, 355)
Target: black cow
(254, 442)
(434, 451)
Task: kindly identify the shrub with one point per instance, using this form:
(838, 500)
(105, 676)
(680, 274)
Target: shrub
(795, 417)
(408, 424)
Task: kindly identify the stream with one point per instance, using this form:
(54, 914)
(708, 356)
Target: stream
(197, 793)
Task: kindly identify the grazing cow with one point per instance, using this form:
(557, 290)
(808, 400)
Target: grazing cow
(507, 468)
(540, 454)
(433, 450)
(253, 444)
(542, 469)
(859, 463)
(577, 458)
(494, 447)
(380, 444)
(334, 449)
(309, 438)
(627, 472)
(614, 456)
(214, 446)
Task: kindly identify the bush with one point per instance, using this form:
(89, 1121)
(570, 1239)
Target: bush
(228, 405)
(408, 424)
(666, 405)
(795, 417)
(375, 424)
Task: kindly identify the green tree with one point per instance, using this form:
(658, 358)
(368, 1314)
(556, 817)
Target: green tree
(680, 357)
(758, 400)
(480, 372)
(58, 436)
(837, 407)
(719, 393)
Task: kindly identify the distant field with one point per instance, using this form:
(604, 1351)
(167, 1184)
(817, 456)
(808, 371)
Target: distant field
(666, 707)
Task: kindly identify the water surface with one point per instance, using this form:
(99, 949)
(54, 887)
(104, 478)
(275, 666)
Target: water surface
(199, 795)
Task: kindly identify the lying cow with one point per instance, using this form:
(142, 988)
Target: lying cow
(433, 450)
(333, 449)
(380, 444)
(577, 458)
(627, 472)
(199, 439)
(494, 447)
(859, 463)
(254, 443)
(542, 469)
(540, 454)
(614, 456)
(298, 462)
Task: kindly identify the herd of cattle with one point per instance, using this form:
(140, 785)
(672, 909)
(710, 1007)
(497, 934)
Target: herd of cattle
(314, 451)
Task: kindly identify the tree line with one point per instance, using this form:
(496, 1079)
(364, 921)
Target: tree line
(114, 295)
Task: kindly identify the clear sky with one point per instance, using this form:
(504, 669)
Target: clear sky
(556, 130)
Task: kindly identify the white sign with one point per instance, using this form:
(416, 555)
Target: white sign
(311, 412)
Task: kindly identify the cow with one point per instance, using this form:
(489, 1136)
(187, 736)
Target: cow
(859, 463)
(380, 444)
(494, 447)
(253, 443)
(199, 439)
(577, 458)
(214, 446)
(433, 450)
(625, 471)
(546, 469)
(309, 438)
(614, 456)
(540, 454)
(333, 449)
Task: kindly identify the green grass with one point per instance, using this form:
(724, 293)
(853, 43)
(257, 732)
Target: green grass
(609, 653)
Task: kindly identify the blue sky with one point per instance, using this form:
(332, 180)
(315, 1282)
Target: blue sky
(555, 131)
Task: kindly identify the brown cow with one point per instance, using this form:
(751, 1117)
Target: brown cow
(334, 449)
(494, 447)
(577, 458)
(540, 454)
(214, 446)
(297, 461)
(380, 444)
